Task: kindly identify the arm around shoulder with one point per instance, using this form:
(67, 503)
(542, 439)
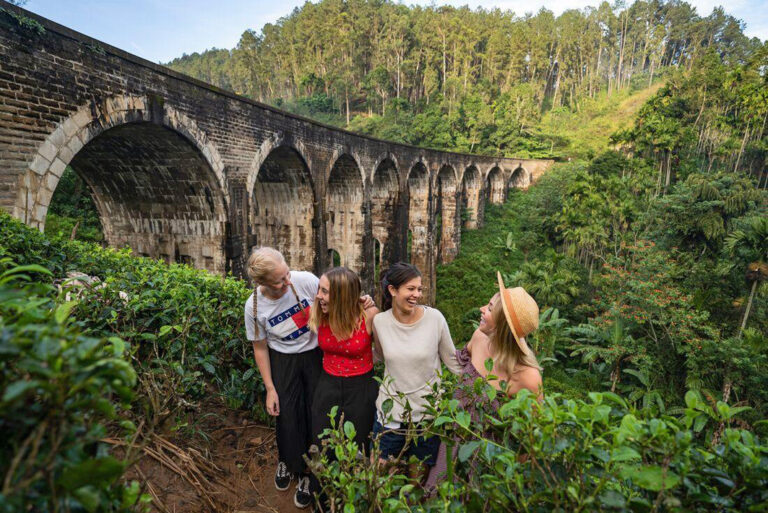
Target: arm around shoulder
(370, 313)
(446, 348)
(478, 338)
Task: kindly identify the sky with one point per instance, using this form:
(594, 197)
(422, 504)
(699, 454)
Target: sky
(160, 30)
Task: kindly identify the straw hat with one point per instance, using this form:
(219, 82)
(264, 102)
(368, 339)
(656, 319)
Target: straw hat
(521, 311)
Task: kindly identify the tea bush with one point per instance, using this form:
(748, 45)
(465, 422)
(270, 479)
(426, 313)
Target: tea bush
(59, 387)
(184, 325)
(597, 454)
(132, 339)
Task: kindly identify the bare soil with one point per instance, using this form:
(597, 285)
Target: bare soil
(225, 464)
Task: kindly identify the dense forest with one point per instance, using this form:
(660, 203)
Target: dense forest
(461, 79)
(646, 247)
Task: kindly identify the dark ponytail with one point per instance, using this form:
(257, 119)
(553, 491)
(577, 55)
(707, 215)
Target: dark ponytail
(396, 275)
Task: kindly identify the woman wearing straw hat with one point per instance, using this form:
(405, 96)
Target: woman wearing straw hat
(510, 316)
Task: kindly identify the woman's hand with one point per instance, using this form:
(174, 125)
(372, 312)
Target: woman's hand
(367, 302)
(273, 403)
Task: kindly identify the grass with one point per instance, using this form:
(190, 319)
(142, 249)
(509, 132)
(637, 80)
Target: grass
(589, 128)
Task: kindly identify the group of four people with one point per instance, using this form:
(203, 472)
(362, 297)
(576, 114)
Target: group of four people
(314, 342)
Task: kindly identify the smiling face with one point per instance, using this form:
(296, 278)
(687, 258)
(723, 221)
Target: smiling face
(323, 293)
(277, 282)
(487, 322)
(406, 297)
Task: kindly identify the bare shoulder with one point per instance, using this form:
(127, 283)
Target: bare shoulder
(479, 339)
(529, 378)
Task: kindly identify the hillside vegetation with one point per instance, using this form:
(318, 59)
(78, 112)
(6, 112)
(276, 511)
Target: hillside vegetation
(454, 78)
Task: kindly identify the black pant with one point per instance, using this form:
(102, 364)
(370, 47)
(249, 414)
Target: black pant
(295, 377)
(356, 398)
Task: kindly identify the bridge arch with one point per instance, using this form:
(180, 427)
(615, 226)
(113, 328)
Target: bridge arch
(494, 186)
(519, 179)
(471, 191)
(344, 213)
(381, 160)
(282, 213)
(157, 180)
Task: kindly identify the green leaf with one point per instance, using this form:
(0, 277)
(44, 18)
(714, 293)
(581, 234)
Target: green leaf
(19, 388)
(88, 496)
(131, 494)
(63, 310)
(248, 374)
(464, 419)
(164, 330)
(349, 430)
(386, 406)
(651, 477)
(613, 499)
(624, 453)
(466, 450)
(349, 508)
(98, 471)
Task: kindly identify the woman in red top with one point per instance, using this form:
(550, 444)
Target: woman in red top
(344, 334)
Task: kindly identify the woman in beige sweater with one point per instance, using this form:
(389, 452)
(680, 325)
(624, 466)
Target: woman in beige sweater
(413, 340)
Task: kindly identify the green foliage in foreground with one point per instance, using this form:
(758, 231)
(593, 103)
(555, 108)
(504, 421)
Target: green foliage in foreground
(182, 323)
(597, 454)
(133, 344)
(59, 387)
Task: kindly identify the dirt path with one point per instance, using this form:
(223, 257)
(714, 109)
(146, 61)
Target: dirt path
(232, 471)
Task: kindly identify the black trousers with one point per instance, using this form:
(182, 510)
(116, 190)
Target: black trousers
(356, 398)
(295, 377)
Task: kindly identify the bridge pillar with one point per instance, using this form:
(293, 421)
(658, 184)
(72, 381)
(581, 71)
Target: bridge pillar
(239, 237)
(387, 222)
(471, 205)
(420, 241)
(447, 215)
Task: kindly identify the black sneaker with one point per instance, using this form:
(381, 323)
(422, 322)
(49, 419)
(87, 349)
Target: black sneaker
(282, 477)
(303, 497)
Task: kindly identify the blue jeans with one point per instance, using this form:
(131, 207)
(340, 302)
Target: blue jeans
(391, 444)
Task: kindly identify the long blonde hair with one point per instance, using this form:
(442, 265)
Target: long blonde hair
(345, 312)
(263, 262)
(506, 352)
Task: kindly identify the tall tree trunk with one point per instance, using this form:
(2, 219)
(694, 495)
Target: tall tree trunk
(741, 150)
(749, 307)
(346, 101)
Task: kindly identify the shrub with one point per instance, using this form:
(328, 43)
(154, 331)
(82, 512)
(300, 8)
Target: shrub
(58, 388)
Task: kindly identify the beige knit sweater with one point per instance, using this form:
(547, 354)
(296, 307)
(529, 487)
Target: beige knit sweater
(412, 354)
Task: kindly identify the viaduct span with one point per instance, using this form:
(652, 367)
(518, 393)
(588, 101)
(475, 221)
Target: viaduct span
(184, 171)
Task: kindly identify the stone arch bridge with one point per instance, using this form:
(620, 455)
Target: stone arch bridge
(185, 171)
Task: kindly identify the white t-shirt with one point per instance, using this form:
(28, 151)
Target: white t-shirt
(281, 321)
